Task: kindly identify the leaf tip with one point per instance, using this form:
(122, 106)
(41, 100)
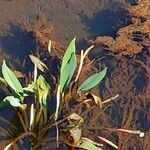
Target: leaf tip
(74, 39)
(4, 62)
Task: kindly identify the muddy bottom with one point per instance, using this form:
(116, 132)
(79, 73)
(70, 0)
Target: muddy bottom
(128, 75)
(80, 18)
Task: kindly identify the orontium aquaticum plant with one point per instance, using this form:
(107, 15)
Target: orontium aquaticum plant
(34, 117)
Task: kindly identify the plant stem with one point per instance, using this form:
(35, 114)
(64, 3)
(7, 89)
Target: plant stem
(38, 116)
(22, 122)
(19, 138)
(25, 118)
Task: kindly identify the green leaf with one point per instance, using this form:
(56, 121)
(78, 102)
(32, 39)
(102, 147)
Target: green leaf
(13, 101)
(88, 144)
(42, 89)
(70, 49)
(68, 66)
(11, 79)
(68, 72)
(30, 88)
(93, 80)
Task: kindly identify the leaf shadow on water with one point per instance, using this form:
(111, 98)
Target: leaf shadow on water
(17, 43)
(107, 21)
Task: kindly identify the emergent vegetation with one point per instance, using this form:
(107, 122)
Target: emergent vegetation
(35, 117)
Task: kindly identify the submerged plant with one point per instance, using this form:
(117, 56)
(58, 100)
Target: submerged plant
(35, 118)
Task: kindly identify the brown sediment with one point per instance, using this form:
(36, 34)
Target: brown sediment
(140, 10)
(132, 106)
(124, 43)
(132, 38)
(129, 77)
(42, 33)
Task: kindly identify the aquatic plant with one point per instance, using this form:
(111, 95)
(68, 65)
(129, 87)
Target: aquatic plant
(34, 117)
(38, 117)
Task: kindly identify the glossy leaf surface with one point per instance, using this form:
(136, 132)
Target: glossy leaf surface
(70, 49)
(93, 80)
(68, 72)
(11, 79)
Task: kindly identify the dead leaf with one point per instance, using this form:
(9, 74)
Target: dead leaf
(38, 62)
(75, 119)
(19, 74)
(2, 80)
(97, 100)
(76, 133)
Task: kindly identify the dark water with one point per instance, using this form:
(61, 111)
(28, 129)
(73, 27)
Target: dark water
(92, 18)
(81, 18)
(107, 21)
(18, 43)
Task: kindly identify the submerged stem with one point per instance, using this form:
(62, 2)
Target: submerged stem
(22, 122)
(19, 138)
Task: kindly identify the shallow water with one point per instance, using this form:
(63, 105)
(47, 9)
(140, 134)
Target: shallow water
(80, 18)
(84, 19)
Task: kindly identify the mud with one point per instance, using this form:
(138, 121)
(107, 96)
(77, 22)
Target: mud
(67, 19)
(63, 15)
(127, 55)
(120, 33)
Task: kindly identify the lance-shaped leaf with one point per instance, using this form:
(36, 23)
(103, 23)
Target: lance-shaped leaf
(68, 72)
(70, 49)
(11, 79)
(68, 66)
(93, 80)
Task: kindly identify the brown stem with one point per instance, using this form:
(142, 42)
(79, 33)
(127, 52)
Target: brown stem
(19, 138)
(22, 122)
(25, 117)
